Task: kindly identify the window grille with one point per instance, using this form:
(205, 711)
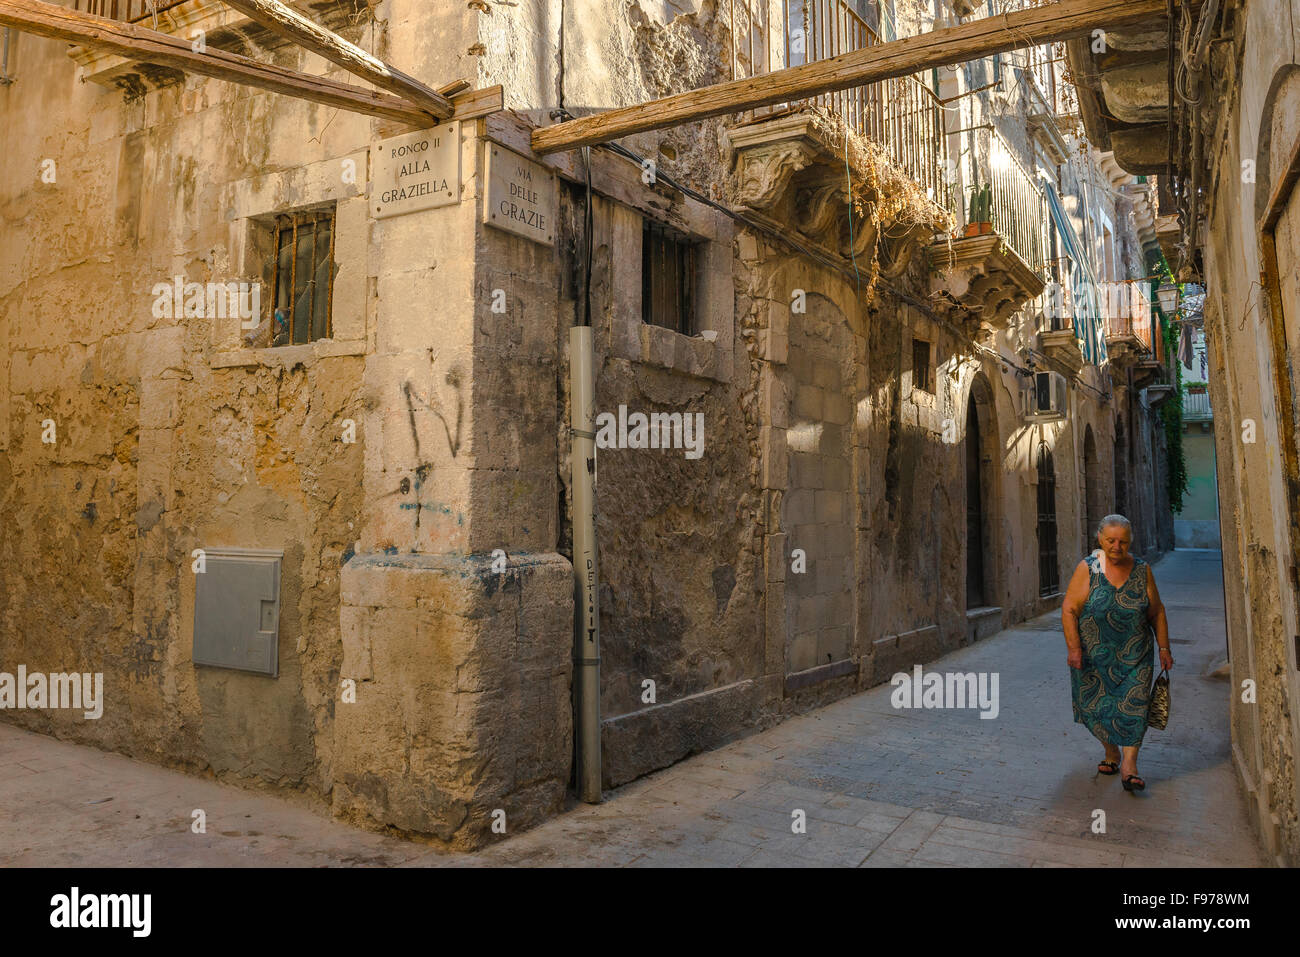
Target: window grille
(304, 277)
(668, 277)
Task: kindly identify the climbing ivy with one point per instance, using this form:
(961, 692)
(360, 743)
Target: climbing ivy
(1171, 413)
(1171, 416)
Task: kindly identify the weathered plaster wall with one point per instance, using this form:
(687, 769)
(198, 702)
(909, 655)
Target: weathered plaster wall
(172, 436)
(815, 438)
(1259, 123)
(162, 445)
(180, 438)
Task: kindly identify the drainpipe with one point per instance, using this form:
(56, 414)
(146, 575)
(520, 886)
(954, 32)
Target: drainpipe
(582, 392)
(587, 653)
(5, 78)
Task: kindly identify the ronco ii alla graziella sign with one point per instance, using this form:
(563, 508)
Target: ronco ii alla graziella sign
(520, 195)
(416, 171)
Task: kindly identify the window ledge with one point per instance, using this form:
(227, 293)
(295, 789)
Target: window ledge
(286, 356)
(692, 355)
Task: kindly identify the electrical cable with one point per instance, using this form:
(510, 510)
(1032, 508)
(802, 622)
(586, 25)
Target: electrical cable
(588, 225)
(848, 176)
(880, 281)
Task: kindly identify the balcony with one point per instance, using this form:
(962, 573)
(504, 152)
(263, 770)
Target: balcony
(223, 28)
(1196, 405)
(1060, 341)
(790, 158)
(1129, 323)
(995, 262)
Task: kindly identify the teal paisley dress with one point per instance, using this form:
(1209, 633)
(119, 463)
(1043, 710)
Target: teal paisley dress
(1112, 689)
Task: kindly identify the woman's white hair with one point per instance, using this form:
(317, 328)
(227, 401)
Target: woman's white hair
(1119, 520)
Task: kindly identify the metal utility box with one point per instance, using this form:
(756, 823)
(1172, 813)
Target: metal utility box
(237, 610)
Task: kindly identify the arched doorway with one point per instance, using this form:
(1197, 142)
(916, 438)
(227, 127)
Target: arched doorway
(980, 441)
(1094, 510)
(1049, 571)
(974, 512)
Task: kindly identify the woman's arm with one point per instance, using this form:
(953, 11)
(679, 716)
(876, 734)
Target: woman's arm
(1156, 615)
(1076, 596)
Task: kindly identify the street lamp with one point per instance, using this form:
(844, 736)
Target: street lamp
(1168, 296)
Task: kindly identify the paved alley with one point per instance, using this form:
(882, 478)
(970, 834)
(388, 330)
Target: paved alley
(879, 786)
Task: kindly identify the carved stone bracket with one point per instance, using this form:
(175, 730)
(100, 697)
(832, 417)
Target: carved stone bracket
(897, 252)
(1146, 371)
(1062, 345)
(982, 279)
(764, 171)
(1124, 350)
(790, 171)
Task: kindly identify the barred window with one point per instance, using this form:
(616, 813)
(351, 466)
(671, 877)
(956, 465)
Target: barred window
(304, 277)
(668, 278)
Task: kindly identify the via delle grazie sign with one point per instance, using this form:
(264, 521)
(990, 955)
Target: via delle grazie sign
(520, 195)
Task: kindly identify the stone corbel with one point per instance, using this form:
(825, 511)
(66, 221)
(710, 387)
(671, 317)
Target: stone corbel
(858, 241)
(765, 172)
(987, 281)
(817, 209)
(897, 252)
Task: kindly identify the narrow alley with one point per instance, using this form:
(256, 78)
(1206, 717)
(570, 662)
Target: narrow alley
(880, 786)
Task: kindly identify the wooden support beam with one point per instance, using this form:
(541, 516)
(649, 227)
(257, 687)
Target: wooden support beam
(149, 46)
(968, 41)
(291, 24)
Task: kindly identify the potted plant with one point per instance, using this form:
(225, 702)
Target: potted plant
(979, 217)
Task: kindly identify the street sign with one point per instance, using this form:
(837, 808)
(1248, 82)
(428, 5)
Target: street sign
(521, 195)
(416, 171)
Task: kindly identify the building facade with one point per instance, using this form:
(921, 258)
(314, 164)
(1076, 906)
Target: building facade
(1227, 221)
(861, 399)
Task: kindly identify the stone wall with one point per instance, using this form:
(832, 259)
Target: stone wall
(405, 660)
(422, 686)
(1259, 124)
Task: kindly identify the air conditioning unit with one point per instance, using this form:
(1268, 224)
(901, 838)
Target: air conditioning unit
(1049, 398)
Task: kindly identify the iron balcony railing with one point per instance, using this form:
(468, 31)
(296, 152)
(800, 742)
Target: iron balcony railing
(902, 115)
(1196, 406)
(1046, 67)
(1127, 309)
(1018, 209)
(128, 10)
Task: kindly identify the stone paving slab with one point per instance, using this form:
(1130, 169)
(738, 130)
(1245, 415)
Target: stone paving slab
(879, 787)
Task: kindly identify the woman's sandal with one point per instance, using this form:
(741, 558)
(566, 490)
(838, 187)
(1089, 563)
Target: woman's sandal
(1134, 782)
(1108, 767)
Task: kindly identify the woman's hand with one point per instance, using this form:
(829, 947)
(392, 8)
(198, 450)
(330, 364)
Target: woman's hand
(1166, 659)
(1075, 657)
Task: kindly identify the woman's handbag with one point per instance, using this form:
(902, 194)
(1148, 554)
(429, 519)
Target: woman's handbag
(1158, 707)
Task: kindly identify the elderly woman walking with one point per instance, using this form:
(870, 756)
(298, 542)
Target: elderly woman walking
(1109, 605)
